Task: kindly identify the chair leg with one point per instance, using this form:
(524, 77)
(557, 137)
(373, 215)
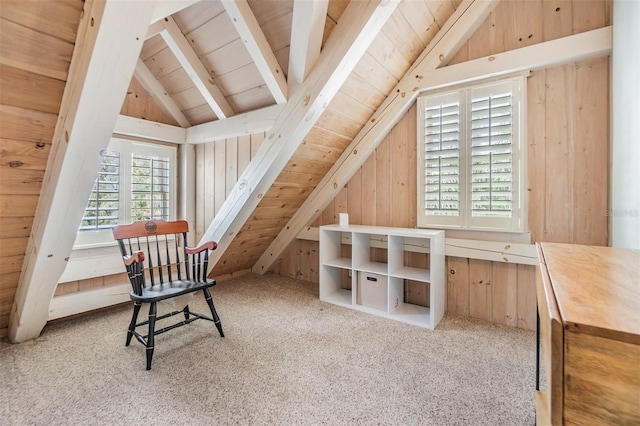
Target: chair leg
(185, 311)
(152, 325)
(214, 314)
(134, 319)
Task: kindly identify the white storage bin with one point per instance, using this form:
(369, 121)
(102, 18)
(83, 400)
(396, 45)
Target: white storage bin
(372, 290)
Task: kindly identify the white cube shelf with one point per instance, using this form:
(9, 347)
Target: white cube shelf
(396, 241)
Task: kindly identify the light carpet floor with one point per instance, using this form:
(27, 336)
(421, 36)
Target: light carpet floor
(287, 359)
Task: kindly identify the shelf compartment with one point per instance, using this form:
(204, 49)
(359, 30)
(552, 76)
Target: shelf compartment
(412, 314)
(339, 297)
(371, 291)
(415, 274)
(362, 253)
(342, 262)
(373, 267)
(332, 251)
(333, 282)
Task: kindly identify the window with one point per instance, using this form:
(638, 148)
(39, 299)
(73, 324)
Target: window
(136, 181)
(470, 157)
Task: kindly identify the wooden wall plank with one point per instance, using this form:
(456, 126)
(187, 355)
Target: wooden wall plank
(504, 294)
(480, 290)
(383, 183)
(19, 181)
(536, 157)
(527, 305)
(59, 18)
(589, 15)
(18, 205)
(34, 51)
(26, 125)
(244, 153)
(354, 196)
(403, 172)
(14, 227)
(592, 154)
(24, 154)
(220, 186)
(231, 160)
(210, 178)
(138, 103)
(558, 155)
(24, 89)
(458, 286)
(557, 18)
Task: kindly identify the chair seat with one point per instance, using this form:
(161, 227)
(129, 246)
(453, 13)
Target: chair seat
(168, 290)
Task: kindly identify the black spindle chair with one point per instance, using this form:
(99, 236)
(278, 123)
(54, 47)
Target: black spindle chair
(173, 269)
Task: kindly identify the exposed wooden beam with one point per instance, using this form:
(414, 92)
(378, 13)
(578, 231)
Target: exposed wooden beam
(107, 47)
(460, 26)
(574, 48)
(157, 92)
(348, 42)
(307, 28)
(260, 120)
(166, 8)
(154, 30)
(85, 301)
(251, 34)
(194, 67)
(144, 129)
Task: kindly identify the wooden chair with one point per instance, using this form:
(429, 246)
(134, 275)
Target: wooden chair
(173, 269)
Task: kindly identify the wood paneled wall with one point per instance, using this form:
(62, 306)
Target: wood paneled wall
(36, 44)
(219, 164)
(567, 156)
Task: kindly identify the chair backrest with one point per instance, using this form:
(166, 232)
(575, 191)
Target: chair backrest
(164, 244)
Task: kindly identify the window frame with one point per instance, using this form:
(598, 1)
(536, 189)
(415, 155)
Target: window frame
(465, 221)
(127, 148)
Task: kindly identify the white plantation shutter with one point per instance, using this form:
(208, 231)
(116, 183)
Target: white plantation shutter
(150, 188)
(470, 158)
(442, 153)
(491, 154)
(137, 181)
(104, 202)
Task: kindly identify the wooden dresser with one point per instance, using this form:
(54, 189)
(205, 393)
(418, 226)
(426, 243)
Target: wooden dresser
(589, 335)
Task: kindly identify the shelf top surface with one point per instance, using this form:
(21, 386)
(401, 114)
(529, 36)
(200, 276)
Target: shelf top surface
(386, 230)
(596, 288)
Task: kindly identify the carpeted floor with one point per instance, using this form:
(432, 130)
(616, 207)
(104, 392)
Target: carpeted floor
(287, 359)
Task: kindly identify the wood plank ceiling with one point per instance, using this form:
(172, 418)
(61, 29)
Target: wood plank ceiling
(198, 69)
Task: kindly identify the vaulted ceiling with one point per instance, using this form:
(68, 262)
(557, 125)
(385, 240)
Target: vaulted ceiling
(207, 62)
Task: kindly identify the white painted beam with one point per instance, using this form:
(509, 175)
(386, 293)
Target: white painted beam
(574, 48)
(357, 28)
(144, 129)
(85, 301)
(107, 47)
(460, 26)
(259, 49)
(149, 83)
(260, 120)
(307, 29)
(164, 8)
(193, 66)
(154, 30)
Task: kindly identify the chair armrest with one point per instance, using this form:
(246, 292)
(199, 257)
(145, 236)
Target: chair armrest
(135, 257)
(211, 245)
